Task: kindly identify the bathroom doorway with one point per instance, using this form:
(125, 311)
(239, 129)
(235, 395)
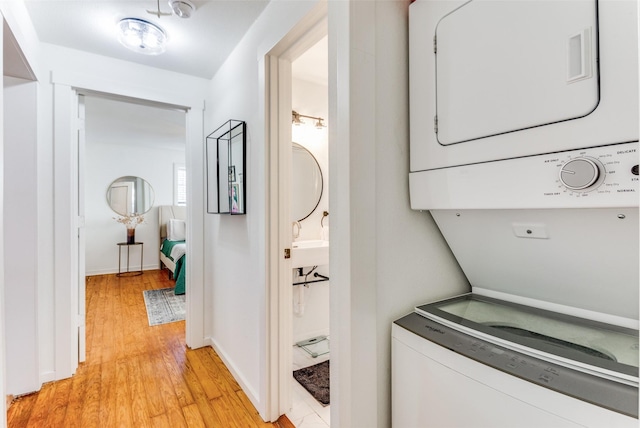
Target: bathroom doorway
(310, 228)
(293, 93)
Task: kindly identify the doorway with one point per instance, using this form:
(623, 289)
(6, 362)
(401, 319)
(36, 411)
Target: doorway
(66, 226)
(281, 275)
(310, 210)
(126, 139)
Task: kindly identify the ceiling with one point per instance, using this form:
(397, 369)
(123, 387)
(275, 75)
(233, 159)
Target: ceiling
(313, 64)
(197, 46)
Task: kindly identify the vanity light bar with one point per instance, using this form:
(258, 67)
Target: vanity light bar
(295, 119)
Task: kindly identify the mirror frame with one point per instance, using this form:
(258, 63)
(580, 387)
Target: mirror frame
(293, 143)
(130, 179)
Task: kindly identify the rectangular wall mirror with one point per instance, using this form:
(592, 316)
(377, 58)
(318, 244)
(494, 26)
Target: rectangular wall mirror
(226, 169)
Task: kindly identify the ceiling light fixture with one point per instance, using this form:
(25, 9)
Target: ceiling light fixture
(295, 119)
(157, 12)
(182, 8)
(142, 36)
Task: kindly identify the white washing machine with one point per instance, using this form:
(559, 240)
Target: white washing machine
(474, 361)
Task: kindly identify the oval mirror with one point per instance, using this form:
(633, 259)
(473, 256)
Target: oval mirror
(130, 196)
(306, 183)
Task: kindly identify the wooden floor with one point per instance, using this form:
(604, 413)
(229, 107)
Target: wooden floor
(136, 375)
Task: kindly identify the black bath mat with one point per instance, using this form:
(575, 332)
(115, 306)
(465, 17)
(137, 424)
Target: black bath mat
(315, 379)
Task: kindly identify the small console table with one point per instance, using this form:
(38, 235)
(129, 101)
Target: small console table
(128, 272)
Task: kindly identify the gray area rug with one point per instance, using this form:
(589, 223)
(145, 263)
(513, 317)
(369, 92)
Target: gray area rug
(315, 379)
(163, 306)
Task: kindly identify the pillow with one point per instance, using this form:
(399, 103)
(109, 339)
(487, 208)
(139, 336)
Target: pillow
(176, 230)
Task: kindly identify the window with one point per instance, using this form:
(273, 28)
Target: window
(179, 184)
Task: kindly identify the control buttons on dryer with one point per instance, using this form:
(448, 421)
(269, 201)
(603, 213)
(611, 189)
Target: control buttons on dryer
(580, 173)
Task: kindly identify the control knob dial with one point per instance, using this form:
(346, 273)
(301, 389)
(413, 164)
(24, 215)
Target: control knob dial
(580, 173)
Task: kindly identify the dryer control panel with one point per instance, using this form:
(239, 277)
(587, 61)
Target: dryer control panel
(605, 176)
(604, 170)
(581, 173)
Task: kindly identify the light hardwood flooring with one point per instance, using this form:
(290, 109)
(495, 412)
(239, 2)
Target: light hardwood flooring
(136, 375)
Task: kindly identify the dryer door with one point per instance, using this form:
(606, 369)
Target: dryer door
(486, 86)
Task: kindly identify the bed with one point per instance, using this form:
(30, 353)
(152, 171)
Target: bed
(171, 219)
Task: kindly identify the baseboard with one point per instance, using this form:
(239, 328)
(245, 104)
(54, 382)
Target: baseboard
(46, 377)
(114, 271)
(100, 272)
(250, 393)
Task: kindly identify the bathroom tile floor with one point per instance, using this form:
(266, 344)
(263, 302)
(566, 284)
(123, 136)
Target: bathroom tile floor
(306, 411)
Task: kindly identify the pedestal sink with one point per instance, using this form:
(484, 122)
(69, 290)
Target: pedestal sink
(314, 252)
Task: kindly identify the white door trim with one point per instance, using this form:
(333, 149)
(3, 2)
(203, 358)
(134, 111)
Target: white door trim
(195, 162)
(277, 68)
(65, 237)
(80, 161)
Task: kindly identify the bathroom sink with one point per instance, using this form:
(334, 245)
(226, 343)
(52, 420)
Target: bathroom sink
(313, 252)
(311, 243)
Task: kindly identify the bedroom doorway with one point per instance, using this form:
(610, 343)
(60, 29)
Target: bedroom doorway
(125, 139)
(66, 310)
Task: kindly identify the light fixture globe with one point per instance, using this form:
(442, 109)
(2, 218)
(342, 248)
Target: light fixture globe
(142, 36)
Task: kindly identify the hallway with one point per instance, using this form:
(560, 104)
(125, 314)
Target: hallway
(136, 375)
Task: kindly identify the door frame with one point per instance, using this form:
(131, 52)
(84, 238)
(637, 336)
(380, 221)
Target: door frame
(278, 81)
(66, 88)
(82, 274)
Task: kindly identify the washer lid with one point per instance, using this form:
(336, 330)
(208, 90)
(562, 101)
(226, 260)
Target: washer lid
(504, 66)
(595, 346)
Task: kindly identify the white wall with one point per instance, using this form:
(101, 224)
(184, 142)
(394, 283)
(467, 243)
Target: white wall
(312, 99)
(20, 235)
(235, 245)
(3, 365)
(14, 14)
(390, 257)
(3, 349)
(105, 163)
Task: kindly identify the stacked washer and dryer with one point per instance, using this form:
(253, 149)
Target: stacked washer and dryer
(524, 148)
